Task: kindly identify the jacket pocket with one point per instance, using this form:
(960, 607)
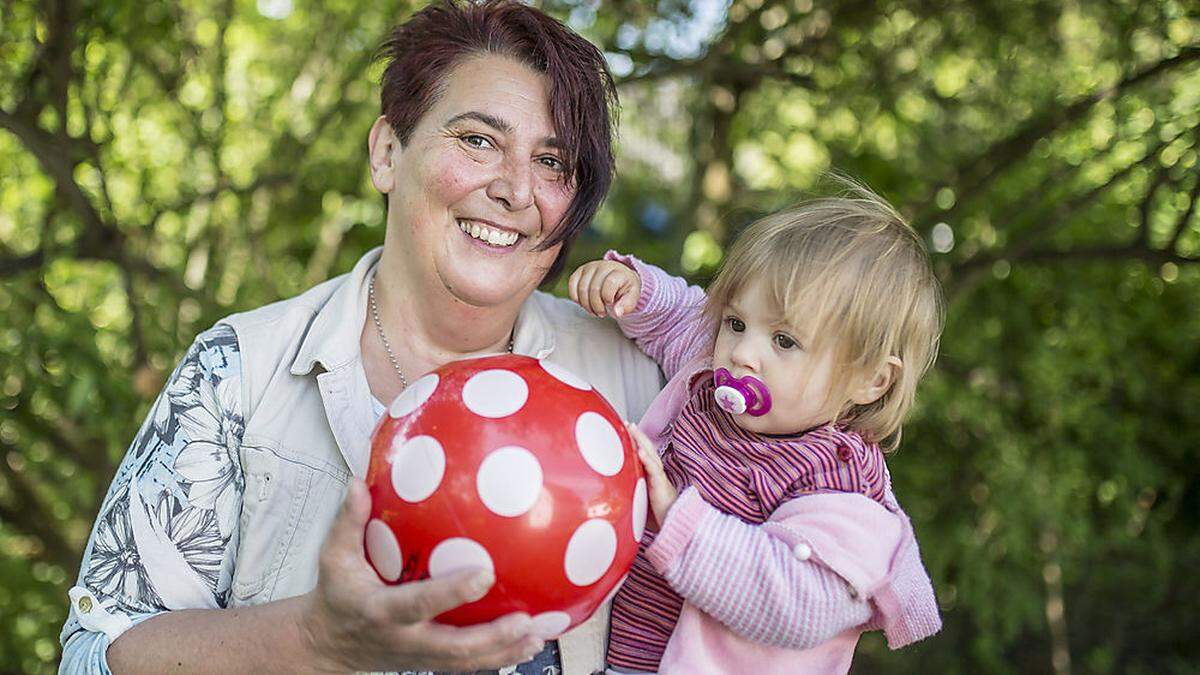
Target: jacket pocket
(277, 489)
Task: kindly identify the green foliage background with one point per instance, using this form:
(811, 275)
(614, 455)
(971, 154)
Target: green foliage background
(164, 163)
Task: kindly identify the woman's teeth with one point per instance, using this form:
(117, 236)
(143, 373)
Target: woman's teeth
(484, 233)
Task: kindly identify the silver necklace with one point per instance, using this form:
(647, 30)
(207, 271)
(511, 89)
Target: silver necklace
(383, 338)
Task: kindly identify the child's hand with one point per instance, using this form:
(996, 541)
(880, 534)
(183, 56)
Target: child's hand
(662, 493)
(605, 284)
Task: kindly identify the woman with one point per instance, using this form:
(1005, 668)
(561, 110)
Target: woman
(221, 545)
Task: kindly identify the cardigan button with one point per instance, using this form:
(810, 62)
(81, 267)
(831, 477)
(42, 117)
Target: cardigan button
(802, 551)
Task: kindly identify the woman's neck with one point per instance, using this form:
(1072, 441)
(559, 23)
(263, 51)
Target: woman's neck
(429, 327)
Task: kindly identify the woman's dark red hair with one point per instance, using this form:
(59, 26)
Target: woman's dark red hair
(583, 99)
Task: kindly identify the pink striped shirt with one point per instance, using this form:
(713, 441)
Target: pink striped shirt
(749, 476)
(745, 475)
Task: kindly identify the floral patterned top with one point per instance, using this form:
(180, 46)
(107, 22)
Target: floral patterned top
(167, 532)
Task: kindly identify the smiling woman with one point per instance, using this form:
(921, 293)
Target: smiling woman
(482, 167)
(222, 526)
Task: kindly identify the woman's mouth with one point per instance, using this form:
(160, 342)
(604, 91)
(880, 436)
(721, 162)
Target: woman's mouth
(489, 235)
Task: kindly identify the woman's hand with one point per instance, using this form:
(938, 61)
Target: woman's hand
(354, 621)
(603, 285)
(662, 493)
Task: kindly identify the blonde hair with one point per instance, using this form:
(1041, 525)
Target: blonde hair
(852, 271)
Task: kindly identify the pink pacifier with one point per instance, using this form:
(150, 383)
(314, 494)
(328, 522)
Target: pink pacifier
(739, 395)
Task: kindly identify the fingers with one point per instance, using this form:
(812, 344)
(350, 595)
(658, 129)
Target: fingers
(662, 493)
(616, 290)
(647, 454)
(573, 284)
(417, 601)
(596, 291)
(628, 300)
(653, 466)
(640, 437)
(598, 285)
(581, 287)
(507, 640)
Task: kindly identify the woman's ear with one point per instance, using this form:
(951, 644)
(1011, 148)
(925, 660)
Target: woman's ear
(877, 384)
(382, 144)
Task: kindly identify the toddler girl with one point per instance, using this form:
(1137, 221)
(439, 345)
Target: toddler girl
(779, 539)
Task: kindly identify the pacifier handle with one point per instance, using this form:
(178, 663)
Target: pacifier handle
(751, 391)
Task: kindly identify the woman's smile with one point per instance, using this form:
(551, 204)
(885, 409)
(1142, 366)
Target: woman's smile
(489, 235)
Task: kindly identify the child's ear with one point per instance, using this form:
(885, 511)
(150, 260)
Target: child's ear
(878, 384)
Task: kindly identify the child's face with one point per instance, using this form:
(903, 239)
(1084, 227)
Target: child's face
(754, 339)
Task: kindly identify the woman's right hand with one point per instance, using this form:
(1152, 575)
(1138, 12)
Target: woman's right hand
(601, 285)
(354, 621)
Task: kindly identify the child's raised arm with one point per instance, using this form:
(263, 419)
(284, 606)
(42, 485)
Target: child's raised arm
(660, 312)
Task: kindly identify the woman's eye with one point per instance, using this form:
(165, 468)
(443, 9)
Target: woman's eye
(784, 342)
(736, 325)
(552, 163)
(476, 141)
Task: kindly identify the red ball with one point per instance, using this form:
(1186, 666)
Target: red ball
(513, 464)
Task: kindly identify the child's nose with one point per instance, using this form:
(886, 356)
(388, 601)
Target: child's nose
(744, 355)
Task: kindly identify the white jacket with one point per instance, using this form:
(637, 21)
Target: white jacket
(309, 415)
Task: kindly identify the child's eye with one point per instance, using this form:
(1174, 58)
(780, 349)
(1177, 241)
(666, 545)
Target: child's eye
(784, 342)
(735, 324)
(476, 141)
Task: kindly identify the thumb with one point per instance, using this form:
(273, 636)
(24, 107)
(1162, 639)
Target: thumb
(627, 301)
(347, 530)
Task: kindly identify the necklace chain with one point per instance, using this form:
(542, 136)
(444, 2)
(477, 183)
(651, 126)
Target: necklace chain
(383, 338)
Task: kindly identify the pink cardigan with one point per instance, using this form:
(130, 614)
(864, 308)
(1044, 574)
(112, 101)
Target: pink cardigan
(870, 547)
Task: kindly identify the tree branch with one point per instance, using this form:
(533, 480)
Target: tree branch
(52, 64)
(1143, 253)
(1181, 225)
(1058, 218)
(11, 266)
(979, 171)
(66, 438)
(1142, 239)
(30, 517)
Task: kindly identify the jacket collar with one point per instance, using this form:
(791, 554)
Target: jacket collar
(332, 338)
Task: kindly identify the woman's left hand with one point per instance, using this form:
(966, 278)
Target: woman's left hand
(662, 493)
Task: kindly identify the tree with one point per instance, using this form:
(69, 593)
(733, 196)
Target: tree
(168, 163)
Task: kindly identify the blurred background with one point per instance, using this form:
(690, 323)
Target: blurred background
(163, 164)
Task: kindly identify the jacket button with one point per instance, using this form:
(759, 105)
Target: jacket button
(802, 551)
(85, 605)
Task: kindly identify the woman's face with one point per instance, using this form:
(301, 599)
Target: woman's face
(478, 185)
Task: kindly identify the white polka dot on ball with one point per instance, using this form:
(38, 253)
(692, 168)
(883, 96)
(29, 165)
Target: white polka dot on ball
(565, 376)
(590, 552)
(495, 393)
(458, 553)
(599, 443)
(384, 550)
(639, 509)
(418, 464)
(549, 625)
(414, 397)
(509, 481)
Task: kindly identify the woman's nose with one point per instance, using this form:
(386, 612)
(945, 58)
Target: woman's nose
(513, 187)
